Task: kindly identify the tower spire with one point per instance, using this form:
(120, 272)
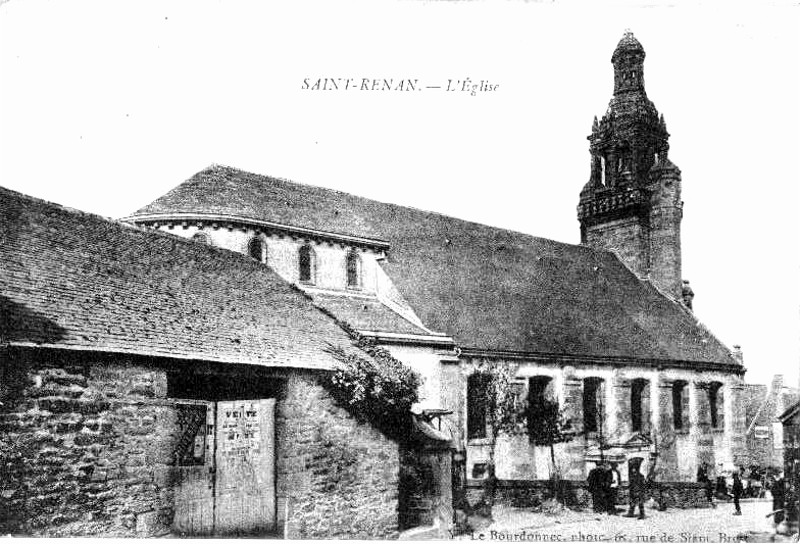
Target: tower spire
(631, 203)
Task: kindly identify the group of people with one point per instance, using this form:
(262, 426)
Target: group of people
(604, 483)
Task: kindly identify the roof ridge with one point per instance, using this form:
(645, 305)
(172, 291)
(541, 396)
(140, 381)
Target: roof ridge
(216, 167)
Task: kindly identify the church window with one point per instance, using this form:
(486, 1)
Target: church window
(540, 393)
(593, 405)
(353, 269)
(680, 401)
(640, 413)
(477, 385)
(202, 237)
(307, 264)
(715, 405)
(257, 249)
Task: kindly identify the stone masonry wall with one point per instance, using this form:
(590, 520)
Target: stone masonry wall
(87, 450)
(336, 477)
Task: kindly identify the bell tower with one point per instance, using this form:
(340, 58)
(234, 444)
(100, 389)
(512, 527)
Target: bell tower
(632, 201)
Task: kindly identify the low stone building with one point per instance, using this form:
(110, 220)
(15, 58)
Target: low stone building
(150, 385)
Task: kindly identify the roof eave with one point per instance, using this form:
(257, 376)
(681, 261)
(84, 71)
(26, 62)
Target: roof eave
(267, 225)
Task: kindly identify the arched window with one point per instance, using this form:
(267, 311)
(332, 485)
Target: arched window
(603, 171)
(202, 237)
(593, 405)
(353, 266)
(307, 264)
(257, 249)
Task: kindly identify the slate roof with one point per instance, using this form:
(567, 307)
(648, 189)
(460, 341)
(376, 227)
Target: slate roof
(366, 314)
(489, 288)
(73, 280)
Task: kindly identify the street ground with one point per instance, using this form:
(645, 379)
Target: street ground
(671, 526)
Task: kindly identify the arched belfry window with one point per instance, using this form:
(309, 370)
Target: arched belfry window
(257, 249)
(307, 264)
(202, 237)
(353, 268)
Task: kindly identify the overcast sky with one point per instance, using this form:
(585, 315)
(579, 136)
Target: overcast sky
(105, 106)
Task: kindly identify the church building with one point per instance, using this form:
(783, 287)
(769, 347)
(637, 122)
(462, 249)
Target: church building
(605, 328)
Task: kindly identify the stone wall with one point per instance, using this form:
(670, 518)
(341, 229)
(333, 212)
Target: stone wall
(531, 493)
(336, 477)
(88, 450)
(87, 447)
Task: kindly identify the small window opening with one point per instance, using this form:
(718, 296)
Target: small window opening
(257, 249)
(353, 270)
(202, 237)
(306, 264)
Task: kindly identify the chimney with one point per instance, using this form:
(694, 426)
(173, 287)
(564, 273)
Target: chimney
(687, 294)
(737, 354)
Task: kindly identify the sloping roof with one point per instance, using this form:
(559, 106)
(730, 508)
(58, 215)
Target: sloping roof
(73, 280)
(365, 314)
(488, 288)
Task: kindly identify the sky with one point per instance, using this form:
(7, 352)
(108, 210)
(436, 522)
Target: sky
(105, 106)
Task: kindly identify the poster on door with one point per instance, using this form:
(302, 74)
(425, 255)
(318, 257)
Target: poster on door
(240, 430)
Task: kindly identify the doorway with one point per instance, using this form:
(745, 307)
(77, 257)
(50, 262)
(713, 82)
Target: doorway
(225, 468)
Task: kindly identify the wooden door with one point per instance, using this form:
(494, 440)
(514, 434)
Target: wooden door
(194, 469)
(245, 461)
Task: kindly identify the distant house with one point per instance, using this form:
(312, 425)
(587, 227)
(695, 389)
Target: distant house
(153, 385)
(763, 406)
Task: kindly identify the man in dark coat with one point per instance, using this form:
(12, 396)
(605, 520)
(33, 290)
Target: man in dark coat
(596, 485)
(738, 488)
(637, 491)
(778, 491)
(614, 481)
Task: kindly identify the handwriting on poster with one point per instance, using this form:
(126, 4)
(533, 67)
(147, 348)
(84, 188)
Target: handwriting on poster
(465, 86)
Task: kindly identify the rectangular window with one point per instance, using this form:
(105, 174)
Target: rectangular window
(193, 429)
(592, 405)
(476, 406)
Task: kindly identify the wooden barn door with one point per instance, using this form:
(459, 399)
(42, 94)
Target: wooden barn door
(225, 468)
(194, 460)
(245, 486)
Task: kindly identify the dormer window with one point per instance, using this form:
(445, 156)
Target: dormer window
(307, 264)
(353, 266)
(202, 237)
(257, 249)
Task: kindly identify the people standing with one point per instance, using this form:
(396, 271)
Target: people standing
(613, 489)
(778, 491)
(595, 481)
(708, 487)
(637, 492)
(737, 493)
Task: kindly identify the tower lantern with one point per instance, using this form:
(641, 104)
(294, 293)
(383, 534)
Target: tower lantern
(632, 201)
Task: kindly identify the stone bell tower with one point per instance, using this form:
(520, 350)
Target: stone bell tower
(632, 202)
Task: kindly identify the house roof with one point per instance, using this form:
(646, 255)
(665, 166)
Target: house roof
(74, 280)
(489, 288)
(789, 413)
